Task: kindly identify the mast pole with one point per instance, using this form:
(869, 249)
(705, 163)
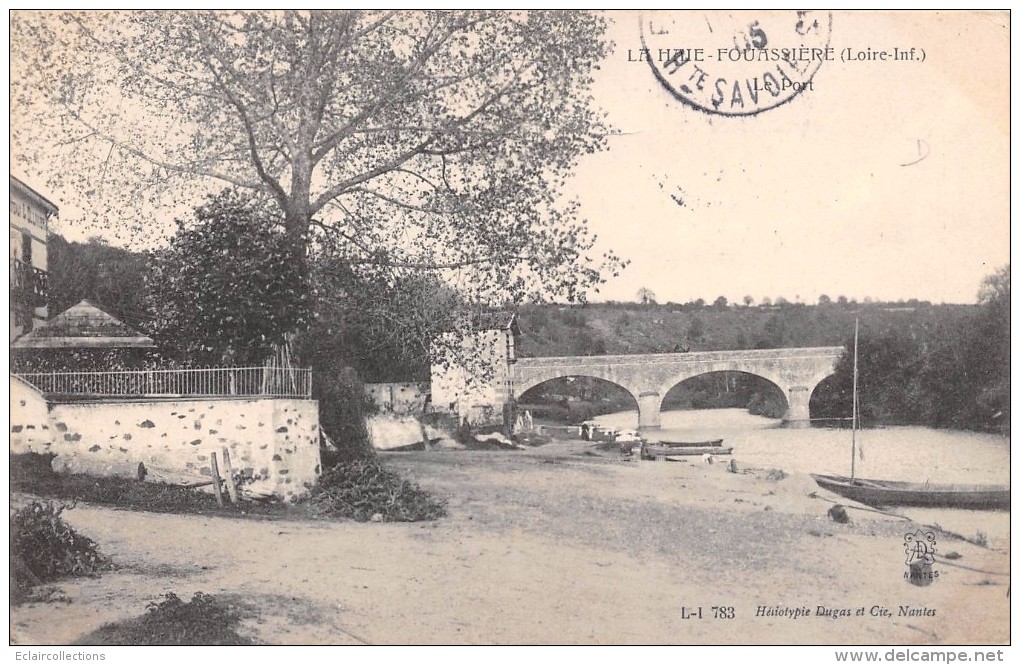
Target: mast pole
(853, 421)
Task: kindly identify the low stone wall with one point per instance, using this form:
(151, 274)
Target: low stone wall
(276, 441)
(388, 431)
(398, 398)
(29, 418)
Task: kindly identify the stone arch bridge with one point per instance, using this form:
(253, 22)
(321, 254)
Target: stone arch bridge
(648, 377)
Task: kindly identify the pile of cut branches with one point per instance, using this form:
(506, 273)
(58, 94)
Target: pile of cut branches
(363, 490)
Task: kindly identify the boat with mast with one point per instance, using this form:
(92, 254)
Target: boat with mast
(898, 493)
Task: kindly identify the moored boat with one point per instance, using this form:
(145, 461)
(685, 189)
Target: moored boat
(689, 444)
(653, 450)
(928, 495)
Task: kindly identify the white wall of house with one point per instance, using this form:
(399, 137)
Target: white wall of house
(476, 381)
(29, 227)
(398, 398)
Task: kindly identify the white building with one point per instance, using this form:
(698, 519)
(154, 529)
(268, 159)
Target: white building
(472, 372)
(29, 223)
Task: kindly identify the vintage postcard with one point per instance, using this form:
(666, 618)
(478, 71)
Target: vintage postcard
(465, 327)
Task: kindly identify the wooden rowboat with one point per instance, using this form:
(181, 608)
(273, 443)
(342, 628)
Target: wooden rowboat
(927, 495)
(689, 444)
(653, 450)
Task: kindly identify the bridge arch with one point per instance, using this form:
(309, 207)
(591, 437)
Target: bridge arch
(761, 383)
(623, 398)
(832, 401)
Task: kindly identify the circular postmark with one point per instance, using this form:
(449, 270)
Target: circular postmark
(735, 63)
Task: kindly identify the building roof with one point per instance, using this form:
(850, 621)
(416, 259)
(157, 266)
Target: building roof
(84, 326)
(35, 196)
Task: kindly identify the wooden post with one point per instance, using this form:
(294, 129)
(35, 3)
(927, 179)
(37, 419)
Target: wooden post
(425, 443)
(216, 479)
(228, 472)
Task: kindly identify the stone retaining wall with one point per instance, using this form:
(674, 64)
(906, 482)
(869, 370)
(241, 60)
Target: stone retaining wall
(274, 441)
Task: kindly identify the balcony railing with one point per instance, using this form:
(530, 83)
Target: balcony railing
(29, 285)
(207, 382)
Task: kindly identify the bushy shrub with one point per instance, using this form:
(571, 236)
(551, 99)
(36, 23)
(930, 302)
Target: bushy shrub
(45, 548)
(31, 467)
(360, 489)
(202, 621)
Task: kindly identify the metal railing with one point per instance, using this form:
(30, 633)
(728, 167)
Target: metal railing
(210, 381)
(29, 285)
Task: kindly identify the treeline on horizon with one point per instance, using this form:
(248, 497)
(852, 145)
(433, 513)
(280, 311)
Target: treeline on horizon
(608, 328)
(747, 302)
(936, 365)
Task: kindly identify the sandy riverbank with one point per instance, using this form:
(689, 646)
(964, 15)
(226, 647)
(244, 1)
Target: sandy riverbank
(556, 545)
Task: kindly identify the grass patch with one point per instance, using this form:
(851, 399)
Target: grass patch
(204, 620)
(32, 473)
(358, 490)
(44, 548)
(363, 490)
(980, 538)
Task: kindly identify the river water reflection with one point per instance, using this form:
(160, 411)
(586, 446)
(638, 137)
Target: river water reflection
(915, 454)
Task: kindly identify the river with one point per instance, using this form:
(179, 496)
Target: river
(916, 454)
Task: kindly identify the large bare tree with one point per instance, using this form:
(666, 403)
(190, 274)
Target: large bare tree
(424, 139)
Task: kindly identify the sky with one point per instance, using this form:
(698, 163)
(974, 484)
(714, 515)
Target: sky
(826, 194)
(812, 197)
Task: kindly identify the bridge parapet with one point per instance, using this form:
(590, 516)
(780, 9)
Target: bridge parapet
(751, 355)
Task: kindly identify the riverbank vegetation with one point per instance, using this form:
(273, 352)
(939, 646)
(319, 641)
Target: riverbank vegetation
(952, 374)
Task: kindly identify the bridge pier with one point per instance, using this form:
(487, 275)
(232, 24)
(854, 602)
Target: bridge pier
(798, 398)
(649, 414)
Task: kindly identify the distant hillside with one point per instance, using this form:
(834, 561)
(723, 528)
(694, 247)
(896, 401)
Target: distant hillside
(110, 277)
(595, 329)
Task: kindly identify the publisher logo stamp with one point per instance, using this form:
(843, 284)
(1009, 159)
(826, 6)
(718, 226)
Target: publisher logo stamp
(919, 547)
(735, 63)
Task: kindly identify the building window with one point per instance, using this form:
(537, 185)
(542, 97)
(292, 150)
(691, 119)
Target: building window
(26, 247)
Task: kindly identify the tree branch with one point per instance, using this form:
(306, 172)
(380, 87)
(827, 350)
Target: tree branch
(385, 167)
(274, 186)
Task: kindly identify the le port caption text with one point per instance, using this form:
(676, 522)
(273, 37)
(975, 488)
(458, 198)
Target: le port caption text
(727, 612)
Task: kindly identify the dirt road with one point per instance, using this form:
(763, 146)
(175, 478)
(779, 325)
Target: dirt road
(554, 546)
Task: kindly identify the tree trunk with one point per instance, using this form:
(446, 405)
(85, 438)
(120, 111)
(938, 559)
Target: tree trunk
(296, 226)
